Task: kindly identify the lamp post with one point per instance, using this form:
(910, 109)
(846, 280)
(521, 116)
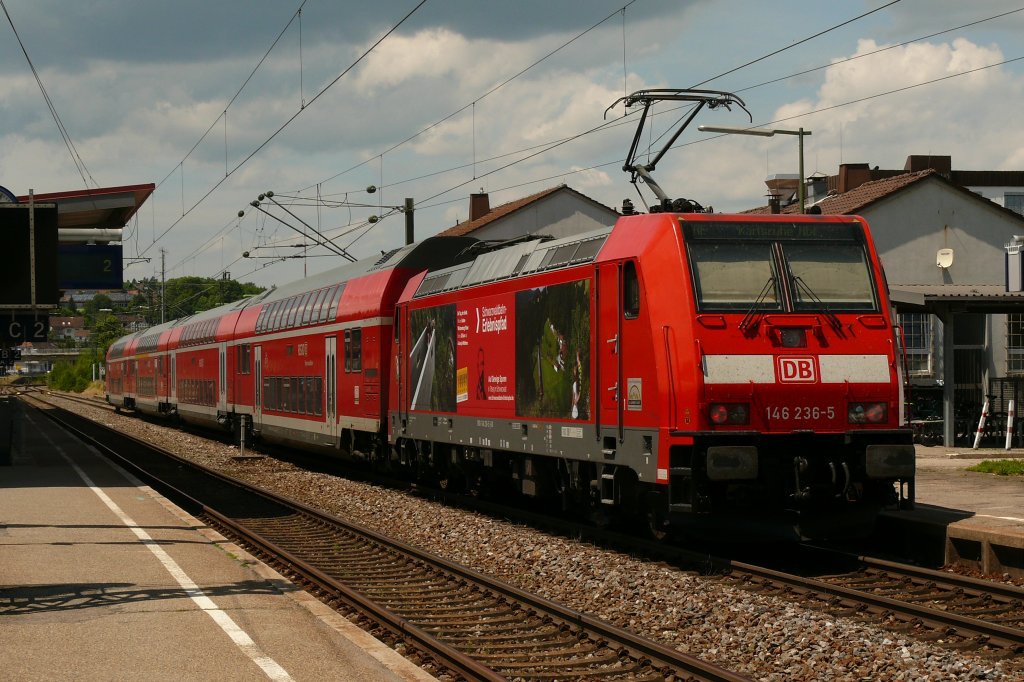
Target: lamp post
(767, 132)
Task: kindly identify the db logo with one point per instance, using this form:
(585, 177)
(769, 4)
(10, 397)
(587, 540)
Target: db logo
(797, 370)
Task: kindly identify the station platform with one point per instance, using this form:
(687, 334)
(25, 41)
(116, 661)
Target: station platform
(962, 517)
(101, 578)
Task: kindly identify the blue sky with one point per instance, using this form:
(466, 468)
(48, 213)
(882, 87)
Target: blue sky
(138, 84)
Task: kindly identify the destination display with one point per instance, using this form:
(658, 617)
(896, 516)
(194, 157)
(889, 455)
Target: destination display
(844, 231)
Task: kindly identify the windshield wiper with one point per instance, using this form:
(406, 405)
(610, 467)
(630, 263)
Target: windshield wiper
(755, 308)
(832, 318)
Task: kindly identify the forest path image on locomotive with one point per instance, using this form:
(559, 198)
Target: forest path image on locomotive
(686, 368)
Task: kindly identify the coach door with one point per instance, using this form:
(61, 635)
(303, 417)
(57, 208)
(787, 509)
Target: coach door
(222, 378)
(608, 336)
(331, 386)
(257, 387)
(173, 389)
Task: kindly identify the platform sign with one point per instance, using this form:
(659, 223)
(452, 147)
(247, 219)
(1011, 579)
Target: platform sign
(89, 266)
(19, 328)
(23, 253)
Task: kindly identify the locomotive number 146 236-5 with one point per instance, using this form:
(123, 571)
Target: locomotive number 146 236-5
(800, 412)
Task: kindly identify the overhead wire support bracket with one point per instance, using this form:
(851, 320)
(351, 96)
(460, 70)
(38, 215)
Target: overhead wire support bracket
(709, 98)
(327, 243)
(330, 246)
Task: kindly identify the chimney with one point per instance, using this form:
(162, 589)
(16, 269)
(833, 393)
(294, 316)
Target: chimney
(774, 203)
(942, 164)
(852, 176)
(479, 205)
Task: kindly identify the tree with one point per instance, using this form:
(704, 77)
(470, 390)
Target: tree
(188, 295)
(92, 308)
(106, 330)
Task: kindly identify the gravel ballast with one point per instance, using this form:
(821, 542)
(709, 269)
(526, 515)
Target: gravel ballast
(760, 636)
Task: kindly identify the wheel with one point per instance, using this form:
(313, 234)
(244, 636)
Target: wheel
(657, 528)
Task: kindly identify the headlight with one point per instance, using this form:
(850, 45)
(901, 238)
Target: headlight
(868, 413)
(729, 413)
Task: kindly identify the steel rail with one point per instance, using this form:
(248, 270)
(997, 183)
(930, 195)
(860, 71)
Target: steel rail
(659, 656)
(990, 633)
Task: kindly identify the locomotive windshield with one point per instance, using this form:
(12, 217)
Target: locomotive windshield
(836, 275)
(737, 266)
(733, 275)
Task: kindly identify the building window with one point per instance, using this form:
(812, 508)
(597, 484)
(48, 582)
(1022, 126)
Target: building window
(1014, 201)
(1015, 343)
(917, 339)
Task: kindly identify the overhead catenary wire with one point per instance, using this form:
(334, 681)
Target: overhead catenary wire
(810, 112)
(284, 125)
(733, 70)
(543, 148)
(76, 158)
(487, 94)
(379, 156)
(472, 105)
(879, 50)
(794, 44)
(666, 111)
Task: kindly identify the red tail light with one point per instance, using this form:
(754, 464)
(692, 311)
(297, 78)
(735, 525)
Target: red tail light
(868, 413)
(729, 413)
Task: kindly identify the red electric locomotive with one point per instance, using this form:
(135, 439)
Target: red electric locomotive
(676, 366)
(679, 367)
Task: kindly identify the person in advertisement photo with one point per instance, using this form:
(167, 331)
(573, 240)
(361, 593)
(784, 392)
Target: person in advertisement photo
(553, 351)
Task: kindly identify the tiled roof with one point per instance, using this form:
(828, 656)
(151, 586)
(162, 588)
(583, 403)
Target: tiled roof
(861, 197)
(499, 212)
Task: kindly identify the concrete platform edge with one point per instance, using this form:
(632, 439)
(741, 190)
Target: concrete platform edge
(384, 654)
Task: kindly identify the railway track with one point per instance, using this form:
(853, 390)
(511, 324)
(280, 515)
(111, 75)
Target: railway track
(469, 623)
(953, 611)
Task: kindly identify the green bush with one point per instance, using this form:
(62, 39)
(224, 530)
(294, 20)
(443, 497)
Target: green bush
(69, 377)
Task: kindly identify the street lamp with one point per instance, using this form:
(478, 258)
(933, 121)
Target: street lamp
(767, 132)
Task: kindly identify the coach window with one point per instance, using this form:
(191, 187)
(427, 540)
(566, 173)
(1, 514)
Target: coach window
(275, 308)
(357, 350)
(303, 307)
(320, 314)
(293, 309)
(630, 291)
(325, 305)
(311, 305)
(282, 314)
(244, 359)
(348, 351)
(332, 305)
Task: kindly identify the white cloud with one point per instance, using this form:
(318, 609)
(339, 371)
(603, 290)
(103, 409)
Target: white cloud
(957, 116)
